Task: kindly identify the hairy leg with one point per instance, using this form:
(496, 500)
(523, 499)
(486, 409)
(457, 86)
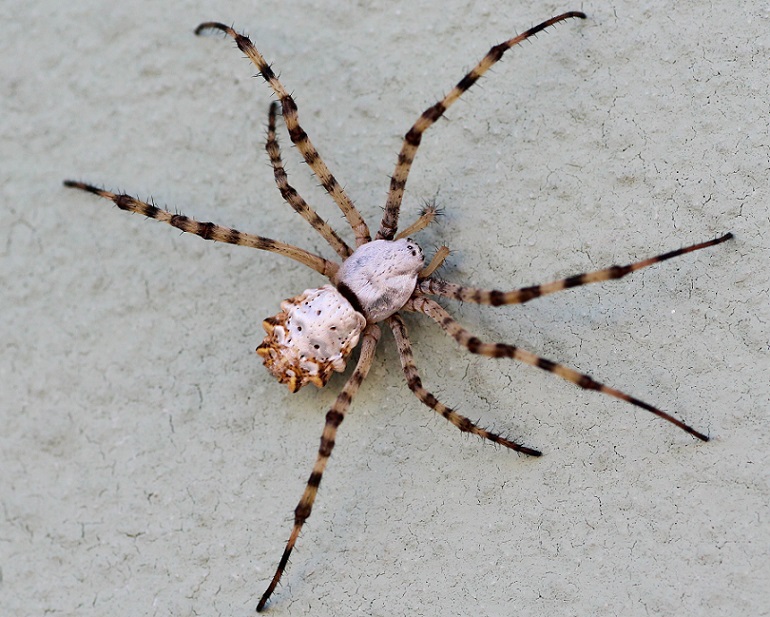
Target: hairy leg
(290, 194)
(414, 382)
(334, 418)
(297, 134)
(412, 139)
(211, 231)
(525, 294)
(501, 350)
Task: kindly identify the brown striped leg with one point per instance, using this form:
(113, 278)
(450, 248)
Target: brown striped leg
(398, 327)
(211, 231)
(297, 134)
(427, 216)
(334, 418)
(291, 196)
(525, 294)
(441, 254)
(412, 139)
(501, 350)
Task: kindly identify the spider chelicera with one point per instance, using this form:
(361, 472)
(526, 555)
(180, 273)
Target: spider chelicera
(314, 333)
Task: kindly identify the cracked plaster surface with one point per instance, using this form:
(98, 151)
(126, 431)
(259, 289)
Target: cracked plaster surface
(151, 465)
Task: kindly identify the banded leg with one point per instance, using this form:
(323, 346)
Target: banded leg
(414, 382)
(525, 294)
(334, 418)
(290, 194)
(501, 350)
(297, 134)
(412, 139)
(211, 231)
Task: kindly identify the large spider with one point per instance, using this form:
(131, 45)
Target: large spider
(314, 333)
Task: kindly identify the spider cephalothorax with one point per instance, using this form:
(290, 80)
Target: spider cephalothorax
(314, 333)
(380, 276)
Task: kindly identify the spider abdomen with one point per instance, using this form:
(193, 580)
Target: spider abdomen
(380, 276)
(311, 337)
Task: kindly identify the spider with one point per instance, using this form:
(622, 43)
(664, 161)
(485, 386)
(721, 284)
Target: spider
(315, 332)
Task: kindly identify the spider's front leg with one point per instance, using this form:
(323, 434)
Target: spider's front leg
(334, 418)
(297, 134)
(413, 137)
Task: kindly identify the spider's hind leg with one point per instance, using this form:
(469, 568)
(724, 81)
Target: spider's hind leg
(291, 196)
(412, 376)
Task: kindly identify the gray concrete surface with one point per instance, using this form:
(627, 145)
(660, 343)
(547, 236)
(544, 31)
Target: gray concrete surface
(150, 464)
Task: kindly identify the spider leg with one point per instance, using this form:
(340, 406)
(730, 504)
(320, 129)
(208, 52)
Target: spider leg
(297, 134)
(500, 350)
(290, 194)
(525, 294)
(334, 418)
(401, 335)
(211, 231)
(389, 223)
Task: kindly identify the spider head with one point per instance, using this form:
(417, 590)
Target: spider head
(311, 337)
